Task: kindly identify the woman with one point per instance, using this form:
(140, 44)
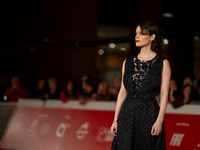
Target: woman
(186, 96)
(89, 92)
(102, 93)
(114, 89)
(69, 93)
(40, 89)
(53, 91)
(173, 91)
(138, 121)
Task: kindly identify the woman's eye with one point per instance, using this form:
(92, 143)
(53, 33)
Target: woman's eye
(141, 33)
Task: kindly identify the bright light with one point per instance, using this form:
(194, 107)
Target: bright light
(5, 98)
(100, 51)
(167, 15)
(165, 41)
(123, 49)
(112, 45)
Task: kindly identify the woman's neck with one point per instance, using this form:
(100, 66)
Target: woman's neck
(146, 54)
(146, 51)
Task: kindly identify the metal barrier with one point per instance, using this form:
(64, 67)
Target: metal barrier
(6, 111)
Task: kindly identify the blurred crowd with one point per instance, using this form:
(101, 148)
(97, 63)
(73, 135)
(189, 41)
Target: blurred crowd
(188, 92)
(85, 90)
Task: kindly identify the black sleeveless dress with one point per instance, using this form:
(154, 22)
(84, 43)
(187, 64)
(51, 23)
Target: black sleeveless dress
(139, 111)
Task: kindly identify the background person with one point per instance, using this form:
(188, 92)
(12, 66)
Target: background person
(40, 90)
(53, 91)
(102, 93)
(16, 91)
(89, 92)
(69, 92)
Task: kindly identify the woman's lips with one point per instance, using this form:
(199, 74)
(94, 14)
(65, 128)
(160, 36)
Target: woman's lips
(137, 41)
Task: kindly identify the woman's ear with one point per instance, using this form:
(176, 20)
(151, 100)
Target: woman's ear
(152, 37)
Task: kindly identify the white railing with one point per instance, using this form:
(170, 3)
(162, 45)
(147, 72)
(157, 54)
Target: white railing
(101, 105)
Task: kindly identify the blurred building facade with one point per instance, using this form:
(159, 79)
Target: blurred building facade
(66, 39)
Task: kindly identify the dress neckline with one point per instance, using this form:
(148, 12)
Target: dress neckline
(146, 60)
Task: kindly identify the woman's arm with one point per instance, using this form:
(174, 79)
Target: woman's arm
(121, 96)
(165, 81)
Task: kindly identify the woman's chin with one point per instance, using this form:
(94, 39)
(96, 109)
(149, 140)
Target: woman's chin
(138, 45)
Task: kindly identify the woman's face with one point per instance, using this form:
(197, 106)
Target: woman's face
(187, 91)
(52, 84)
(69, 86)
(104, 86)
(141, 38)
(173, 85)
(41, 84)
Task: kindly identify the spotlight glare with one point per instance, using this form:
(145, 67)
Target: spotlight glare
(167, 15)
(5, 98)
(100, 51)
(112, 45)
(165, 41)
(123, 49)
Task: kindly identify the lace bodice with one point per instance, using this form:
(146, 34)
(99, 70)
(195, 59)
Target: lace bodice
(140, 70)
(141, 77)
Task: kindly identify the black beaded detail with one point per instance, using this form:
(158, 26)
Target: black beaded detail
(140, 69)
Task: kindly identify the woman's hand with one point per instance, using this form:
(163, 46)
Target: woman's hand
(113, 128)
(156, 128)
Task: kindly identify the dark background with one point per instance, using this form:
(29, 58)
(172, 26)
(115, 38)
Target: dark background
(42, 39)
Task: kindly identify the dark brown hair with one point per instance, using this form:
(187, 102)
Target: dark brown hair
(150, 28)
